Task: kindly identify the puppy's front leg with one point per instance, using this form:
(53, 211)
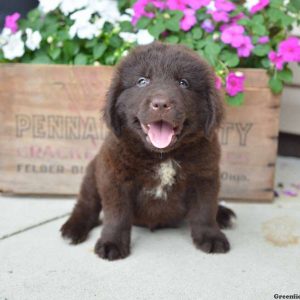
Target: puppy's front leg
(115, 237)
(202, 218)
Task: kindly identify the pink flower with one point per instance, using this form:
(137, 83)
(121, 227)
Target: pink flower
(289, 49)
(233, 35)
(263, 40)
(189, 19)
(139, 10)
(219, 16)
(197, 4)
(237, 17)
(259, 6)
(244, 50)
(11, 22)
(276, 59)
(218, 82)
(235, 83)
(176, 4)
(224, 5)
(208, 26)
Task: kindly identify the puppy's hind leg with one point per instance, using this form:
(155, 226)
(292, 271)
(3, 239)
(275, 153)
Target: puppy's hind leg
(85, 214)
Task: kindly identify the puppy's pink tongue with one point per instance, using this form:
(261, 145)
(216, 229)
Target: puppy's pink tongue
(160, 134)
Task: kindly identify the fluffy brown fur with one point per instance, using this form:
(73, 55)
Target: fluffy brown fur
(135, 182)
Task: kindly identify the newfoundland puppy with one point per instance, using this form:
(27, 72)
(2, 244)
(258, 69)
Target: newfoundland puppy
(159, 163)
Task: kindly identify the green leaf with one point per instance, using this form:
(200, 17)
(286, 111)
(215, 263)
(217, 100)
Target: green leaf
(276, 85)
(285, 75)
(143, 23)
(126, 26)
(157, 29)
(296, 4)
(213, 48)
(172, 24)
(81, 59)
(197, 33)
(236, 100)
(172, 39)
(54, 53)
(265, 63)
(262, 50)
(201, 44)
(229, 58)
(70, 48)
(98, 50)
(41, 58)
(116, 41)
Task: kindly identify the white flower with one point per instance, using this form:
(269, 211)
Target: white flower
(4, 36)
(144, 37)
(33, 39)
(250, 3)
(211, 6)
(84, 30)
(14, 46)
(108, 9)
(129, 11)
(128, 37)
(83, 15)
(49, 5)
(68, 6)
(125, 17)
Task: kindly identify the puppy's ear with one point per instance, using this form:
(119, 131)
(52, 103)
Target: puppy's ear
(215, 109)
(111, 116)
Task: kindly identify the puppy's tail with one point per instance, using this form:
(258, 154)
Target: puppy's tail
(225, 217)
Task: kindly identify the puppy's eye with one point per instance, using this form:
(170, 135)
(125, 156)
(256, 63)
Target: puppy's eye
(143, 82)
(184, 83)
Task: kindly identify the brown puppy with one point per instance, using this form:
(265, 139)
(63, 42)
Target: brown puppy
(160, 162)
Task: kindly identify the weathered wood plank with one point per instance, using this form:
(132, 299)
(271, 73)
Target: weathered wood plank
(51, 127)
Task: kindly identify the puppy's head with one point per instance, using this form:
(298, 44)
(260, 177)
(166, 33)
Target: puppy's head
(163, 95)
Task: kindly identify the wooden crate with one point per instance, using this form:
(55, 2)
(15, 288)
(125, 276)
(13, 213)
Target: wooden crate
(51, 127)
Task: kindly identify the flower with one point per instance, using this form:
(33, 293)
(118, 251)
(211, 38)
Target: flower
(276, 59)
(128, 37)
(235, 83)
(139, 10)
(189, 19)
(208, 25)
(33, 39)
(244, 50)
(11, 22)
(218, 82)
(256, 5)
(47, 6)
(69, 6)
(233, 35)
(84, 30)
(176, 4)
(4, 36)
(14, 46)
(219, 16)
(144, 37)
(263, 40)
(289, 49)
(224, 5)
(108, 10)
(197, 4)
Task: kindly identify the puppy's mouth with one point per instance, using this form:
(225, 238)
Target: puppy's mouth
(160, 134)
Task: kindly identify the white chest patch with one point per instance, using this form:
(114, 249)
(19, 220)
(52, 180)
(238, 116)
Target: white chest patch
(166, 174)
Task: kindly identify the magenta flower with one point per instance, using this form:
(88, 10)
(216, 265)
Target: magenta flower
(244, 50)
(11, 22)
(219, 16)
(289, 49)
(197, 4)
(218, 82)
(176, 4)
(263, 40)
(276, 59)
(224, 5)
(233, 35)
(235, 83)
(189, 19)
(208, 25)
(237, 18)
(259, 6)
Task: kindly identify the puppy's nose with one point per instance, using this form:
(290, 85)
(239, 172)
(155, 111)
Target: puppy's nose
(160, 104)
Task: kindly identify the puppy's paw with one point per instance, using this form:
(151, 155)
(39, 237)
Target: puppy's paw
(111, 250)
(76, 232)
(212, 241)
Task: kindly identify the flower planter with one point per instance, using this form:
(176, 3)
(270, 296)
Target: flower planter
(50, 129)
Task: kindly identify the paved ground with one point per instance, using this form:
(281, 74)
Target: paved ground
(35, 263)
